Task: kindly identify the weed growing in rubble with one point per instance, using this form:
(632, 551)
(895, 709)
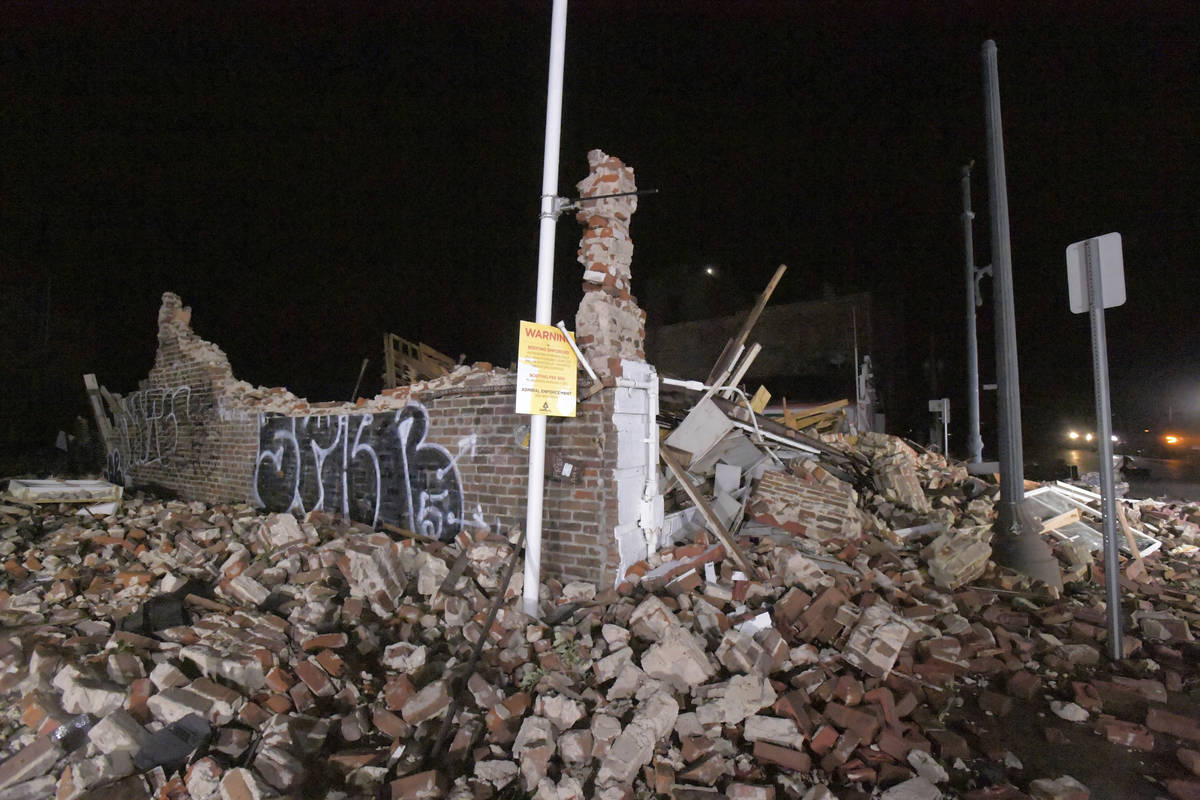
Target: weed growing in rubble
(566, 650)
(952, 702)
(531, 678)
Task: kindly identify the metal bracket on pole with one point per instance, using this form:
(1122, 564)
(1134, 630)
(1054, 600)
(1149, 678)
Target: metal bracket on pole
(980, 274)
(597, 384)
(557, 206)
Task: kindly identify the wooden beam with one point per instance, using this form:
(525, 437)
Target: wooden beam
(788, 419)
(731, 349)
(1133, 547)
(103, 426)
(1065, 518)
(740, 372)
(824, 408)
(714, 524)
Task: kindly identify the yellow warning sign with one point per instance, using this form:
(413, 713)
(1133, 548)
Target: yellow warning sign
(546, 371)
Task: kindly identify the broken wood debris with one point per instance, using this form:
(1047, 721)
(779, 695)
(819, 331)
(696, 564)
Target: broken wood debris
(406, 362)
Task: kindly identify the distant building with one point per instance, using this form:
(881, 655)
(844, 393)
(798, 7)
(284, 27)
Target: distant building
(808, 349)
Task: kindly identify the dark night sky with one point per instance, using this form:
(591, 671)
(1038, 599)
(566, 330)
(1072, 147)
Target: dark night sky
(307, 177)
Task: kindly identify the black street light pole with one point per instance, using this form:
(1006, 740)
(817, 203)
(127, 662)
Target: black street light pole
(1017, 543)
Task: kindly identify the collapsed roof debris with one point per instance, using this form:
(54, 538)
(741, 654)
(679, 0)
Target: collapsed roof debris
(182, 650)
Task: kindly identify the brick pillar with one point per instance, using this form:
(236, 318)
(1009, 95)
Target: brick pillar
(609, 325)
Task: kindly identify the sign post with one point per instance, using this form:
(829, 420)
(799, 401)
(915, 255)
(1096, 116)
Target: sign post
(1095, 281)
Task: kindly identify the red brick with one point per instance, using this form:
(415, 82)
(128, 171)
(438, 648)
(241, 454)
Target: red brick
(995, 703)
(1173, 724)
(1024, 685)
(1128, 734)
(782, 756)
(865, 725)
(1184, 789)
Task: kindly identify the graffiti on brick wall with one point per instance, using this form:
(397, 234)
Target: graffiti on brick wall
(147, 428)
(371, 468)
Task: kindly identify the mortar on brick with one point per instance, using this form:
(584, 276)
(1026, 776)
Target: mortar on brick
(609, 325)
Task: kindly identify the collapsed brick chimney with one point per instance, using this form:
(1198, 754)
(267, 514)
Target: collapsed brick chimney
(609, 325)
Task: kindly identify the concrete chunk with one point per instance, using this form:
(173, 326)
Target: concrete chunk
(1062, 788)
(118, 731)
(635, 746)
(679, 658)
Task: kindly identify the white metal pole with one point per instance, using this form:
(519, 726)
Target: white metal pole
(548, 217)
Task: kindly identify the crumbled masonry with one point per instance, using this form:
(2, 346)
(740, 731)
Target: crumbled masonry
(609, 324)
(182, 650)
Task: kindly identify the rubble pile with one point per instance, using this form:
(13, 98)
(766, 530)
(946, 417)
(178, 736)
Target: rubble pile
(862, 641)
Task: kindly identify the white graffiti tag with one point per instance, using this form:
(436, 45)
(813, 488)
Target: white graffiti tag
(371, 468)
(148, 424)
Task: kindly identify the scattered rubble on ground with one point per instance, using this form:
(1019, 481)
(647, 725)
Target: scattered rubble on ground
(178, 650)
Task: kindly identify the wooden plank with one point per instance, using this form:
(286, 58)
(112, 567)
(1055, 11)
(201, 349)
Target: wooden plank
(735, 344)
(710, 517)
(817, 420)
(826, 414)
(740, 372)
(102, 423)
(1129, 540)
(788, 419)
(760, 399)
(456, 572)
(407, 534)
(825, 408)
(1065, 518)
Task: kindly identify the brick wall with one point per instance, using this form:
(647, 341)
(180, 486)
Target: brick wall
(577, 539)
(434, 457)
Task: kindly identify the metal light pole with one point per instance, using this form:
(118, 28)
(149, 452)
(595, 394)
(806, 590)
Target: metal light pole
(974, 440)
(1017, 543)
(548, 218)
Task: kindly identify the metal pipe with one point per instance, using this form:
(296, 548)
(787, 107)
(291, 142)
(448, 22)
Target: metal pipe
(974, 440)
(562, 326)
(548, 218)
(1108, 502)
(1018, 543)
